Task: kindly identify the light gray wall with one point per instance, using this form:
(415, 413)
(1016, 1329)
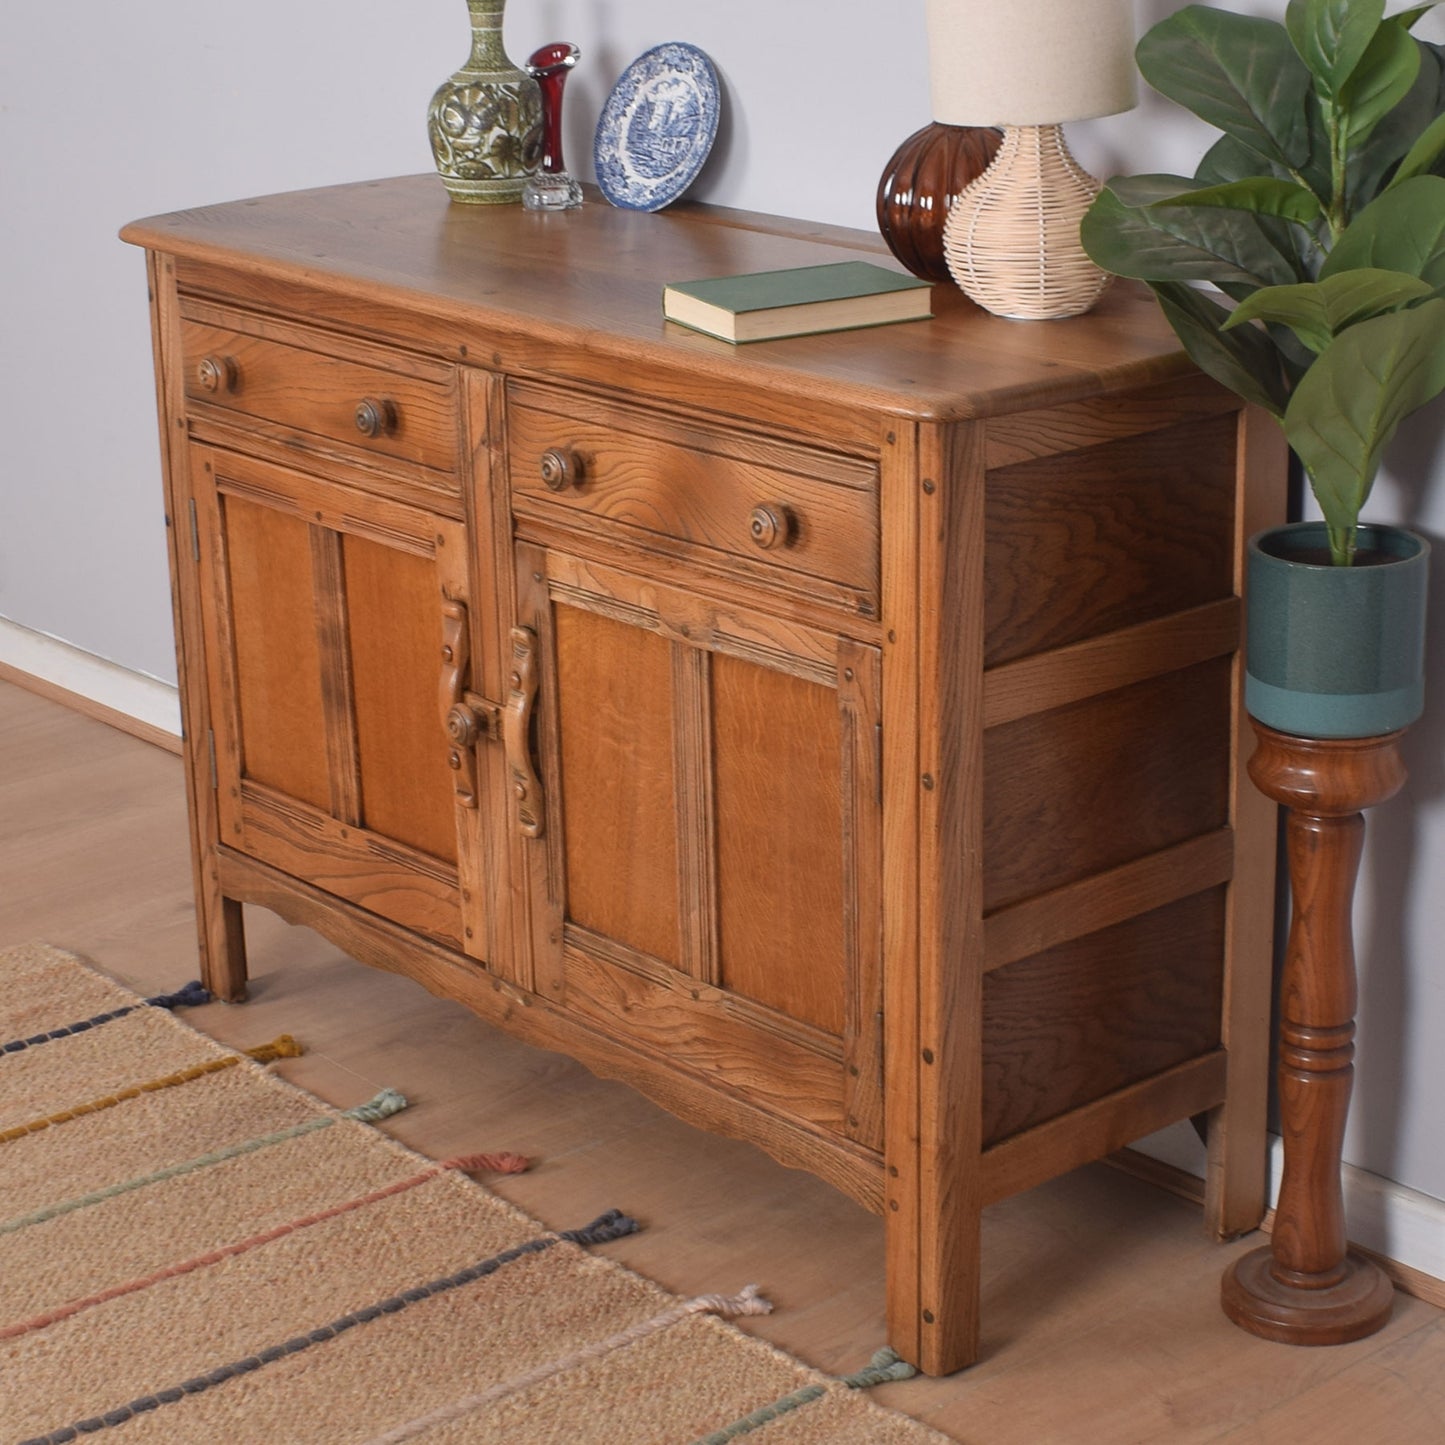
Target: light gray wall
(109, 112)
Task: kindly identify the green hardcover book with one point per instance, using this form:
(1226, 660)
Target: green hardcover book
(765, 305)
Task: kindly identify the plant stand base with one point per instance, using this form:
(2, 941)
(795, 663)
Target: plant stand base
(1289, 1314)
(1306, 1288)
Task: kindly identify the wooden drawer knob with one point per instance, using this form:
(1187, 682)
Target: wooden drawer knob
(375, 417)
(217, 374)
(561, 469)
(771, 525)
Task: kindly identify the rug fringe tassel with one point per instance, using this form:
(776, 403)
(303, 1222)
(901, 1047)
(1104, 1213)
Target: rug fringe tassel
(503, 1163)
(381, 1106)
(612, 1225)
(885, 1366)
(284, 1047)
(191, 996)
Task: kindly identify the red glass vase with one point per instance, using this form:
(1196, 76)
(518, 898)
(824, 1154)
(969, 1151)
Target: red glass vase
(551, 188)
(919, 184)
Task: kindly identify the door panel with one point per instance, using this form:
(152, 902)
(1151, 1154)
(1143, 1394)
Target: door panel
(406, 785)
(707, 888)
(777, 751)
(619, 802)
(278, 664)
(327, 629)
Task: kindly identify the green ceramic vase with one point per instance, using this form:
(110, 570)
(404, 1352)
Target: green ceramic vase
(1336, 652)
(485, 122)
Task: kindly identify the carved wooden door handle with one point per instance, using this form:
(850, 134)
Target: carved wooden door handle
(462, 726)
(517, 732)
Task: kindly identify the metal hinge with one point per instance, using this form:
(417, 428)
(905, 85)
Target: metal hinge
(195, 532)
(211, 748)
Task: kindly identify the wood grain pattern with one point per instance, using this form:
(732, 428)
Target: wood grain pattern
(394, 621)
(681, 1025)
(1099, 1013)
(400, 255)
(370, 870)
(1046, 432)
(1011, 547)
(696, 486)
(384, 945)
(619, 799)
(219, 925)
(1096, 1129)
(951, 828)
(778, 757)
(1089, 541)
(1088, 787)
(1236, 1171)
(1306, 1288)
(315, 393)
(278, 692)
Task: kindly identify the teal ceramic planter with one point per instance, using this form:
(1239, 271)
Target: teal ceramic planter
(1336, 652)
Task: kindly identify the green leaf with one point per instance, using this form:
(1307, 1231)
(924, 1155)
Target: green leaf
(1124, 233)
(1370, 160)
(1351, 401)
(1318, 312)
(1240, 74)
(1421, 156)
(1409, 18)
(1380, 82)
(1332, 36)
(1403, 230)
(1228, 160)
(1244, 361)
(1262, 195)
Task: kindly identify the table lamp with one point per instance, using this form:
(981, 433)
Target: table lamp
(1012, 238)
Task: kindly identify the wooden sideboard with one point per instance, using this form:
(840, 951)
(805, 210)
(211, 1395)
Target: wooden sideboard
(837, 738)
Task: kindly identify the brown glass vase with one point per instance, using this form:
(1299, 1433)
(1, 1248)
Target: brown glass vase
(919, 184)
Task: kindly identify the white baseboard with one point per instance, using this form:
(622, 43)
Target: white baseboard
(1383, 1216)
(151, 702)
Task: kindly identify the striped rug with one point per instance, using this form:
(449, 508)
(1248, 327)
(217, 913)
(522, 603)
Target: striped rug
(193, 1250)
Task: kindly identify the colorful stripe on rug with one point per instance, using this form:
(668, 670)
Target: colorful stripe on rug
(284, 1047)
(612, 1225)
(191, 995)
(382, 1106)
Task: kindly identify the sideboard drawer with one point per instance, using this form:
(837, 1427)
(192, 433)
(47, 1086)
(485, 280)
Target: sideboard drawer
(694, 487)
(371, 402)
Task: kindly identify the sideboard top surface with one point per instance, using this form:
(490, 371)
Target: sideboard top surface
(593, 279)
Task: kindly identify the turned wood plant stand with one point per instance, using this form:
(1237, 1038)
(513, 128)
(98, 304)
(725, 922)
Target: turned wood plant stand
(1306, 1287)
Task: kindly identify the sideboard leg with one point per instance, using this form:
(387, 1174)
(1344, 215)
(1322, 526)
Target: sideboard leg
(1306, 1288)
(223, 948)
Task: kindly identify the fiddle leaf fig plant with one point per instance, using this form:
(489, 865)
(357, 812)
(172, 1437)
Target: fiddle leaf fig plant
(1319, 213)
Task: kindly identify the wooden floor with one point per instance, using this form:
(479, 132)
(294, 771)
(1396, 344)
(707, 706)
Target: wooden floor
(1101, 1321)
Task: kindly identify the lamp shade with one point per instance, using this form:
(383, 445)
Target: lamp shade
(1030, 62)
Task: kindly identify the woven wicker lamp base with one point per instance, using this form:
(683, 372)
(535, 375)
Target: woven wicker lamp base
(1012, 238)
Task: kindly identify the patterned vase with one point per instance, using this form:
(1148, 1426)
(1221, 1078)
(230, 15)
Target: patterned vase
(485, 122)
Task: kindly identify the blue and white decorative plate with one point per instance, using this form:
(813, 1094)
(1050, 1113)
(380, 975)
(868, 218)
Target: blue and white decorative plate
(657, 127)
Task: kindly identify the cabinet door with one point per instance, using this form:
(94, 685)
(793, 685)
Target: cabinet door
(328, 616)
(706, 885)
